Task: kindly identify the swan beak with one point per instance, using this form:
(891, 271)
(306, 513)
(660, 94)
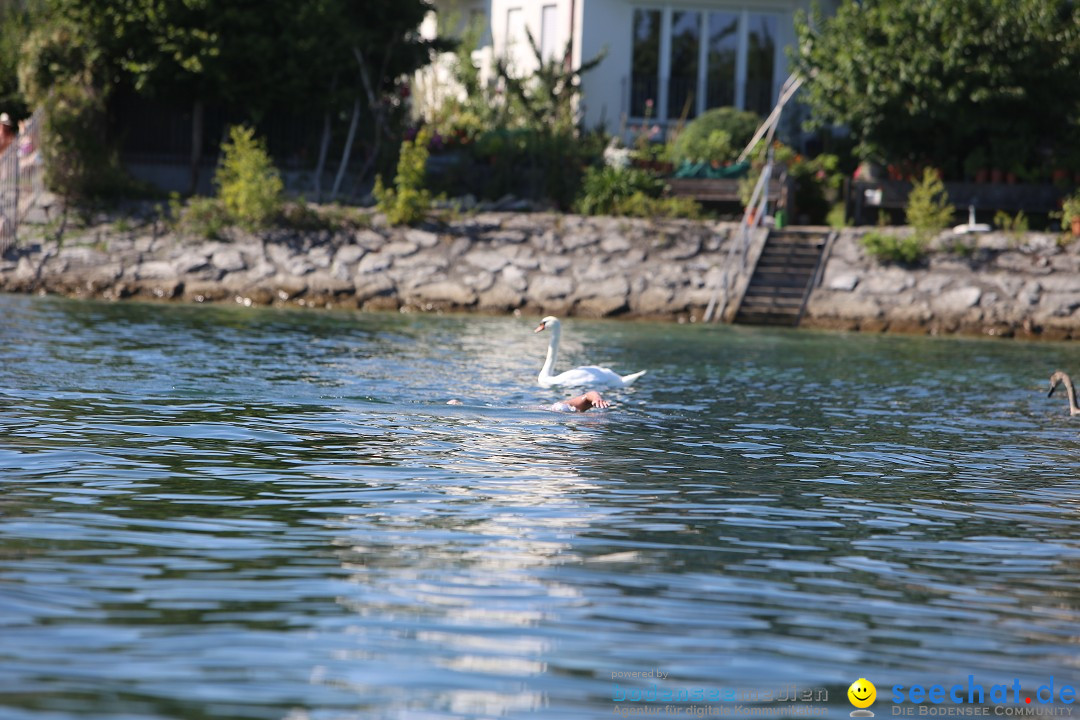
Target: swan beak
(1052, 389)
(540, 327)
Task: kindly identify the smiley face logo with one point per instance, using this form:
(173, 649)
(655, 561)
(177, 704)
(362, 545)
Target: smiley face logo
(862, 693)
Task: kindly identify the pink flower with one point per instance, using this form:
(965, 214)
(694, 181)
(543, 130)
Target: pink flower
(648, 103)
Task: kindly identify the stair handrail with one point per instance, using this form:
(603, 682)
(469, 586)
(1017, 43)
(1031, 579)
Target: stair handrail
(752, 214)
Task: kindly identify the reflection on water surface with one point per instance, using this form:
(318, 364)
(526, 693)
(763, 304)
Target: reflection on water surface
(218, 512)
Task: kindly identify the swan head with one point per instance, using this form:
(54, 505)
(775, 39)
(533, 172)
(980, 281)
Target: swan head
(1056, 379)
(550, 321)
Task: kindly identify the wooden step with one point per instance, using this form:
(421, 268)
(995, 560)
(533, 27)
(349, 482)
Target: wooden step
(781, 279)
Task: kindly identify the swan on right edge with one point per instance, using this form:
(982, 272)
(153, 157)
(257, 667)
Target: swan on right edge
(1058, 378)
(587, 375)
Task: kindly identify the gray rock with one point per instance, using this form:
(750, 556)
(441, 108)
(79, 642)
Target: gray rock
(155, 270)
(400, 249)
(75, 257)
(845, 282)
(422, 238)
(279, 254)
(1031, 293)
(370, 286)
(297, 266)
(682, 248)
(614, 287)
(554, 264)
(1061, 283)
(615, 244)
(934, 283)
(514, 278)
(578, 240)
(190, 261)
(349, 255)
(325, 283)
(955, 302)
(228, 260)
(487, 259)
(499, 297)
(374, 263)
(653, 301)
(369, 239)
(890, 281)
(479, 280)
(547, 288)
(443, 293)
(320, 257)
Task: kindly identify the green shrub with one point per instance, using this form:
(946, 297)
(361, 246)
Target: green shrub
(249, 185)
(928, 208)
(408, 202)
(837, 217)
(717, 135)
(603, 189)
(645, 206)
(909, 249)
(203, 216)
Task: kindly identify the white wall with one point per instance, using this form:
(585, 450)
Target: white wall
(597, 25)
(522, 59)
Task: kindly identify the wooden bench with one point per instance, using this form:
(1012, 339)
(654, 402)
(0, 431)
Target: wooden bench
(714, 190)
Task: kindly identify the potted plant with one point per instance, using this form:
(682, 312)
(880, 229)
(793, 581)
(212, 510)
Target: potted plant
(1070, 213)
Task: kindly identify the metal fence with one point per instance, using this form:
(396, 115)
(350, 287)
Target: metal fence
(22, 179)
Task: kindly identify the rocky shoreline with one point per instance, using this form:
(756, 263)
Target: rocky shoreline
(547, 263)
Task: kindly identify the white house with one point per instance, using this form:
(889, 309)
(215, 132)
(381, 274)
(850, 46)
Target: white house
(665, 60)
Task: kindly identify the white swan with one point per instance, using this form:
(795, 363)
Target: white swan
(587, 375)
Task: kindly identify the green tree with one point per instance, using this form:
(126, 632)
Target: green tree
(248, 183)
(254, 57)
(931, 82)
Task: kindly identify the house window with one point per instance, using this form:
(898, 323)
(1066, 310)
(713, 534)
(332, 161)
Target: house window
(683, 75)
(723, 39)
(548, 49)
(698, 60)
(515, 27)
(760, 63)
(645, 73)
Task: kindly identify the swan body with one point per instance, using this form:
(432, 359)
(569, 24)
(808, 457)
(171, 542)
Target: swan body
(586, 375)
(1063, 378)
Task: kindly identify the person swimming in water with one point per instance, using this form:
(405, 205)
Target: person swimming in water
(579, 403)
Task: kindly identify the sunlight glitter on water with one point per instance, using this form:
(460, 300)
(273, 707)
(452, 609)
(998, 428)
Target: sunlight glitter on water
(236, 512)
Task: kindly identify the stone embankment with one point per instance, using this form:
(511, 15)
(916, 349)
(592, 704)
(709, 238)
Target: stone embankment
(536, 262)
(543, 263)
(992, 284)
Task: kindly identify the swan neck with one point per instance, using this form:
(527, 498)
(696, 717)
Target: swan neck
(1070, 390)
(552, 351)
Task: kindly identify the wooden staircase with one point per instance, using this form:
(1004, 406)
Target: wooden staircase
(783, 277)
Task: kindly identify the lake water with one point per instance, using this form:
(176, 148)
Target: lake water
(217, 512)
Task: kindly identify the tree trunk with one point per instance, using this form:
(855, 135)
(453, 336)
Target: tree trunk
(196, 144)
(347, 150)
(324, 149)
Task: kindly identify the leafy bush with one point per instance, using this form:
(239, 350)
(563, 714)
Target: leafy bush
(717, 135)
(928, 208)
(644, 206)
(408, 202)
(61, 72)
(909, 249)
(604, 188)
(201, 216)
(837, 216)
(249, 186)
(1013, 226)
